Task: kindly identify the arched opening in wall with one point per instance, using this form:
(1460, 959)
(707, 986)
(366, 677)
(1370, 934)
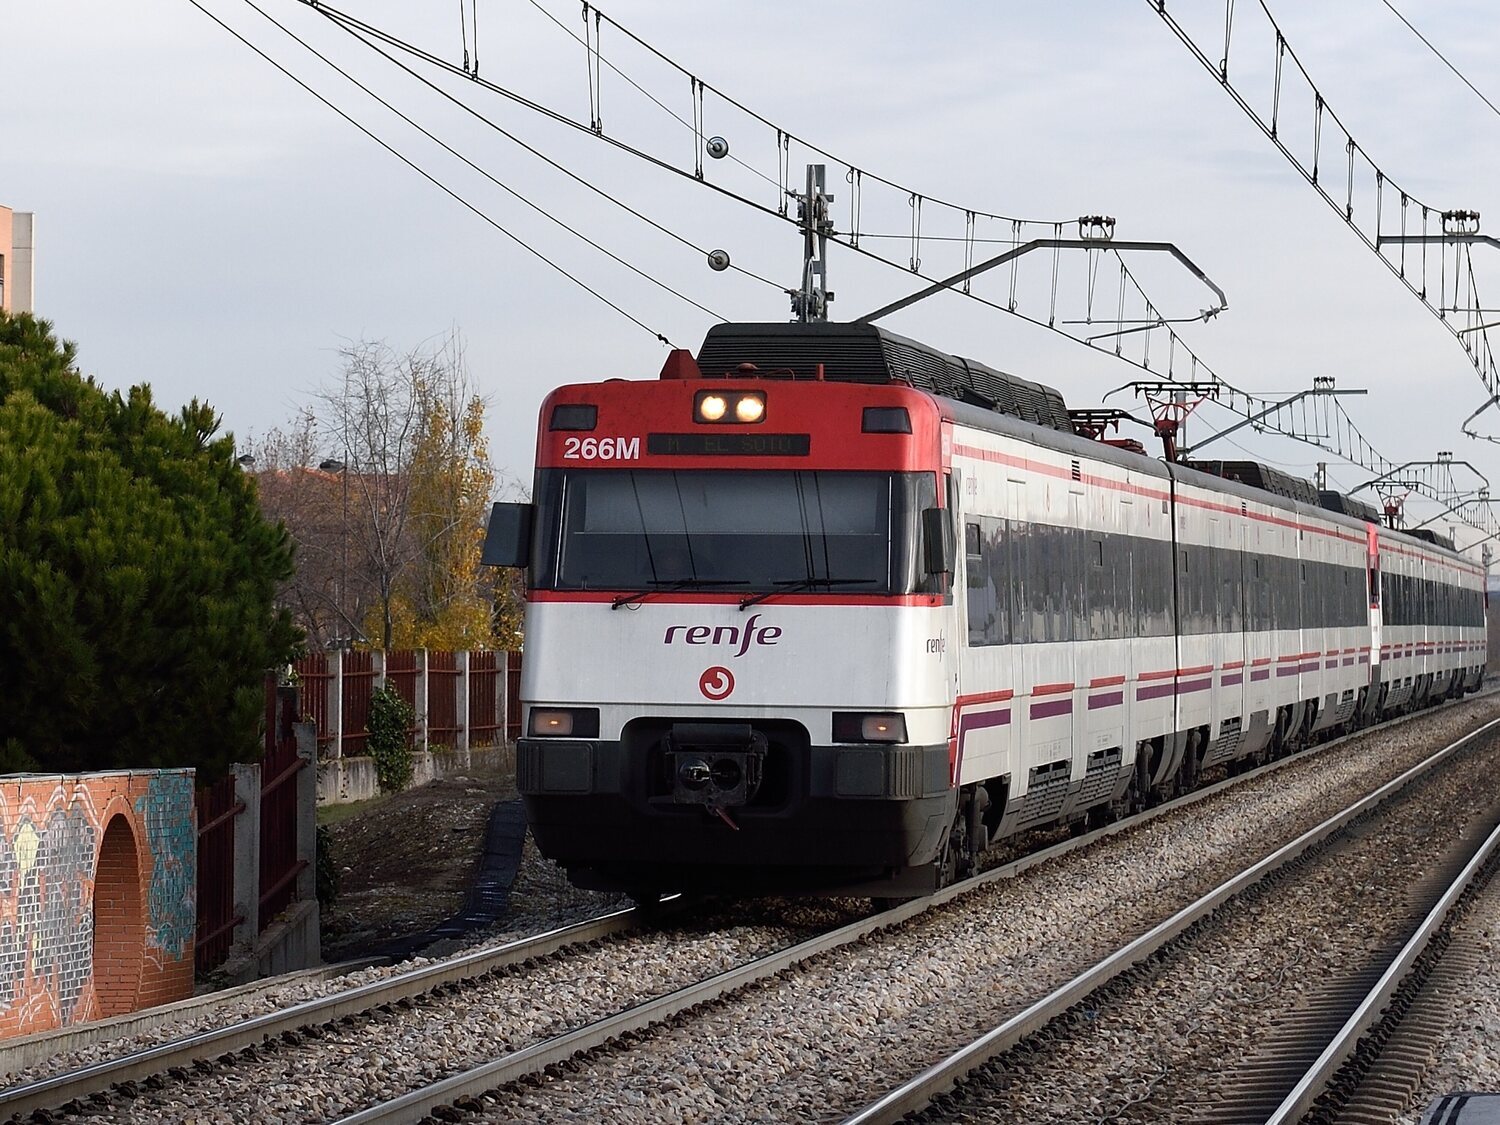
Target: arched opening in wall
(119, 921)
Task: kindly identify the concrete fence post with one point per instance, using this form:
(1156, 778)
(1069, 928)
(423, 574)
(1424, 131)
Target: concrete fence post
(247, 853)
(461, 701)
(420, 696)
(336, 704)
(307, 811)
(377, 664)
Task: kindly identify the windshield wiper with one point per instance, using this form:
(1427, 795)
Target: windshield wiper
(663, 586)
(792, 585)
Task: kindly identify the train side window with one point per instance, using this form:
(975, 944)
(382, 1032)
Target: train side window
(981, 590)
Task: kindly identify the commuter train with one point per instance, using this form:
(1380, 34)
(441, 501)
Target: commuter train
(827, 609)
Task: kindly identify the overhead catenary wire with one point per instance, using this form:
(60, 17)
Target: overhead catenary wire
(675, 65)
(1461, 76)
(431, 178)
(483, 172)
(1153, 319)
(557, 166)
(1368, 220)
(358, 28)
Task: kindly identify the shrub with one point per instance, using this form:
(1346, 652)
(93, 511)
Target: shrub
(391, 718)
(327, 869)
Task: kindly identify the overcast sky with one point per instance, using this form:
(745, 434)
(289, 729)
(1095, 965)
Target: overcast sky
(206, 226)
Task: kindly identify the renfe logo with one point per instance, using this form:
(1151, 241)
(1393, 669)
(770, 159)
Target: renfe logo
(738, 637)
(716, 683)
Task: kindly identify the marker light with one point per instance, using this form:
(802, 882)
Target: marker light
(711, 408)
(558, 724)
(883, 728)
(564, 722)
(750, 408)
(856, 726)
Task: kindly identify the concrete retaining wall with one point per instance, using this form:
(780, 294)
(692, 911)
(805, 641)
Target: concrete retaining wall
(341, 780)
(97, 895)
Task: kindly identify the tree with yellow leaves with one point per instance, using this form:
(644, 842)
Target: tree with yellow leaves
(443, 604)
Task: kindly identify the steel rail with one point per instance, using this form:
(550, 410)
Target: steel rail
(941, 1077)
(85, 1081)
(1371, 1008)
(419, 1104)
(99, 1077)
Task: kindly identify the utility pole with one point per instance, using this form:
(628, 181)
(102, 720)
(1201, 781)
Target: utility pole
(810, 302)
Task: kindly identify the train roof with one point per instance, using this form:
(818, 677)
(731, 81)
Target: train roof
(867, 353)
(978, 395)
(1257, 475)
(1338, 502)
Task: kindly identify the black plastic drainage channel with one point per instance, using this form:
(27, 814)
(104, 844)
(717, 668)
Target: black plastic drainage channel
(489, 897)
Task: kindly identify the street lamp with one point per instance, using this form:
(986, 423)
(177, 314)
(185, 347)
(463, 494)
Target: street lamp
(245, 460)
(331, 465)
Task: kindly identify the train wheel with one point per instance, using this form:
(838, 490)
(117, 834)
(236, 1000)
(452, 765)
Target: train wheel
(648, 904)
(957, 859)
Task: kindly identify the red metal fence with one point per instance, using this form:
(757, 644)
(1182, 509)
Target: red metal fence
(512, 691)
(218, 805)
(403, 670)
(217, 808)
(314, 675)
(401, 674)
(442, 698)
(359, 686)
(484, 714)
(279, 766)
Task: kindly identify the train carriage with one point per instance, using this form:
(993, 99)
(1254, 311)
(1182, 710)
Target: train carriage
(825, 609)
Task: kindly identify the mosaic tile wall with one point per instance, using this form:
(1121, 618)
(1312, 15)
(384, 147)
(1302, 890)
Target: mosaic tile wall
(97, 886)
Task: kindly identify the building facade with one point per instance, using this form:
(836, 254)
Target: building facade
(17, 260)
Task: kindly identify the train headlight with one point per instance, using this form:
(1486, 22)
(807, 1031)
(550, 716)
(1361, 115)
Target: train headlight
(861, 726)
(564, 722)
(750, 408)
(747, 407)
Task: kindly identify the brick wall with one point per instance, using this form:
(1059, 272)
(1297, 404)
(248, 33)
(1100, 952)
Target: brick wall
(97, 876)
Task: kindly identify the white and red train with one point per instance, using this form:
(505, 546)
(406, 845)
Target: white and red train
(827, 609)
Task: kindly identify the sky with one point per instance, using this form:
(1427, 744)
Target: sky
(207, 226)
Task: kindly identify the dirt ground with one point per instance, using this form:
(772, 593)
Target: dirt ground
(407, 860)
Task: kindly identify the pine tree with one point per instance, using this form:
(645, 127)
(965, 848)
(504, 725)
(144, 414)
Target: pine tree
(137, 575)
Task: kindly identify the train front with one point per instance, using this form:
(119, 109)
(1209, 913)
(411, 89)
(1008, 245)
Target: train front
(737, 672)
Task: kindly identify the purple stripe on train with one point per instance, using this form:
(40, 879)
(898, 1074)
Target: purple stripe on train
(1052, 707)
(1108, 699)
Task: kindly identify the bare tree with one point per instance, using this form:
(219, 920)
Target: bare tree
(378, 421)
(307, 501)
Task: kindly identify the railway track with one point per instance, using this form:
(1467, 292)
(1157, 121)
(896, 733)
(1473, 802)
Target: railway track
(1334, 1047)
(193, 1050)
(149, 1073)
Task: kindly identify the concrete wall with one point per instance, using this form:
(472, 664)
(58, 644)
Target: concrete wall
(341, 780)
(97, 895)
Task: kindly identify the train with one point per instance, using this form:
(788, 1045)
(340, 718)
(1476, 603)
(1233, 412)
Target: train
(824, 609)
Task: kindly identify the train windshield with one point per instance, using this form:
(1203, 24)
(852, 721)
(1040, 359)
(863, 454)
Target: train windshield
(758, 531)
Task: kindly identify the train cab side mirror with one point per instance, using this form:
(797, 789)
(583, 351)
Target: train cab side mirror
(507, 542)
(938, 546)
